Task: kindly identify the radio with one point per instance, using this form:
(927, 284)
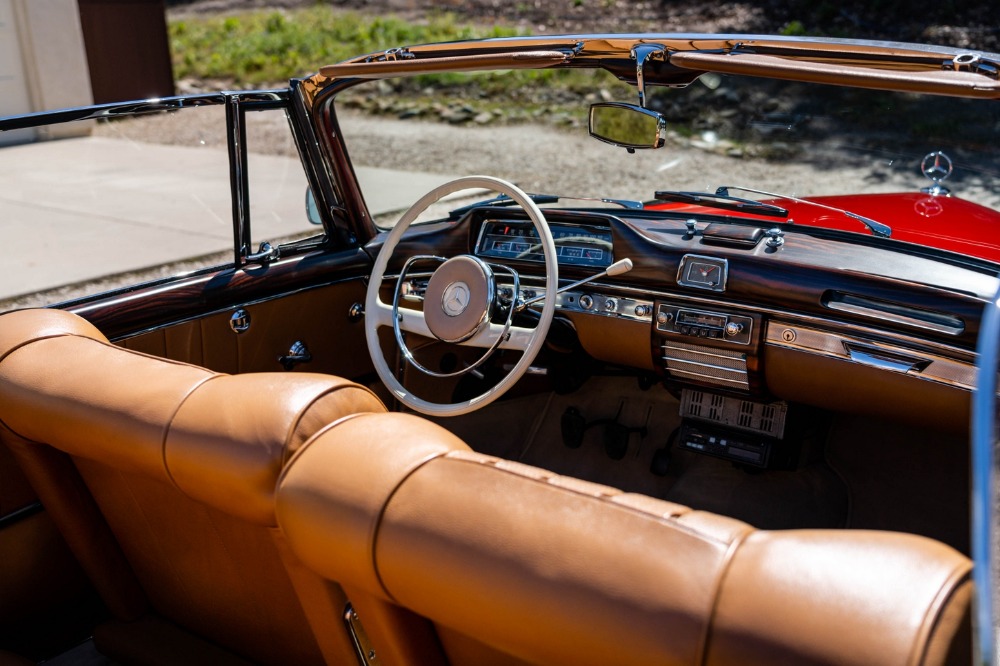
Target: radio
(702, 324)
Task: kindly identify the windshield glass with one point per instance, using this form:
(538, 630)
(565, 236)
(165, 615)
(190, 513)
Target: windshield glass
(787, 138)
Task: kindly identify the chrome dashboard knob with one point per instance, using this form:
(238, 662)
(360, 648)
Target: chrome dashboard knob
(587, 302)
(733, 328)
(611, 305)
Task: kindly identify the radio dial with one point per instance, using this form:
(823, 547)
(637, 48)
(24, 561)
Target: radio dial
(733, 328)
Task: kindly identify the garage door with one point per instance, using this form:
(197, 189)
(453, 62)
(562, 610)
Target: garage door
(13, 86)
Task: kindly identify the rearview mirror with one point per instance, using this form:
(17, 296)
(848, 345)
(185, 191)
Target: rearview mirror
(312, 210)
(627, 126)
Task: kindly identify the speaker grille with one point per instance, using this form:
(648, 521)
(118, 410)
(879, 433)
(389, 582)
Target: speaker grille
(758, 417)
(706, 364)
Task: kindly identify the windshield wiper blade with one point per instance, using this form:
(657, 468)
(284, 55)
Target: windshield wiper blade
(722, 200)
(877, 228)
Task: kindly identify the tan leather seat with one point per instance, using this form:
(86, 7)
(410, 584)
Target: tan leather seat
(182, 463)
(552, 570)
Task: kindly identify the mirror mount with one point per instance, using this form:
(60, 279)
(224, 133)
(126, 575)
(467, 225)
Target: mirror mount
(641, 54)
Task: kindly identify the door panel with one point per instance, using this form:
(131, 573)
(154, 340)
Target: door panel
(318, 317)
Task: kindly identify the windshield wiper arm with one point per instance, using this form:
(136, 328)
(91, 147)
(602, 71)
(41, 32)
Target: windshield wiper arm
(722, 200)
(877, 228)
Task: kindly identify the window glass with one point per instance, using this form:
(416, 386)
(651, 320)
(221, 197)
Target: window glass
(779, 137)
(114, 203)
(277, 181)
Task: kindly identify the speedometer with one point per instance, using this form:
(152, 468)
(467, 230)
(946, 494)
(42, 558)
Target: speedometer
(576, 244)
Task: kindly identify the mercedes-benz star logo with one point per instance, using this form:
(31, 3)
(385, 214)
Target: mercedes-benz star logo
(936, 166)
(455, 299)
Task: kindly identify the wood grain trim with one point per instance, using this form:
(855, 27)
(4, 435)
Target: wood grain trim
(959, 84)
(463, 63)
(145, 308)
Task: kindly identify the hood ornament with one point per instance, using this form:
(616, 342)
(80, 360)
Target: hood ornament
(937, 166)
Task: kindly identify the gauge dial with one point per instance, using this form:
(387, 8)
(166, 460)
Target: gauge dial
(703, 272)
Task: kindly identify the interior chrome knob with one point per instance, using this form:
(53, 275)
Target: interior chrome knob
(611, 305)
(733, 328)
(587, 302)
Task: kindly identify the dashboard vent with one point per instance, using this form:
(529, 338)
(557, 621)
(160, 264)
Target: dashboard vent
(763, 418)
(896, 313)
(720, 367)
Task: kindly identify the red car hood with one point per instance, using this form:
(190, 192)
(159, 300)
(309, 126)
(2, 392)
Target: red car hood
(943, 222)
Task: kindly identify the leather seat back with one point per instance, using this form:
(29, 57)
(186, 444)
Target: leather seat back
(552, 570)
(182, 463)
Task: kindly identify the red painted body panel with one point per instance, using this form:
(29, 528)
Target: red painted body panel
(944, 222)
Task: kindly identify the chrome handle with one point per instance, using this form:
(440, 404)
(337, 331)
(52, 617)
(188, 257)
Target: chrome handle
(264, 254)
(885, 360)
(297, 353)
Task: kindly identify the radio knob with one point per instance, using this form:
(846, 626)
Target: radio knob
(587, 302)
(643, 310)
(610, 305)
(733, 328)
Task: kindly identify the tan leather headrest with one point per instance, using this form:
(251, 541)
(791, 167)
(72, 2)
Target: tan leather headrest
(25, 326)
(221, 439)
(232, 436)
(372, 457)
(555, 571)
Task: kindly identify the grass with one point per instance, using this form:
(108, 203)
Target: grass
(266, 47)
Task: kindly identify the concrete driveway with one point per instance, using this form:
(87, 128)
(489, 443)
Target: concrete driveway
(80, 209)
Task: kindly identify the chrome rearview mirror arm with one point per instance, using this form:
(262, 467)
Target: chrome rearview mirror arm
(640, 54)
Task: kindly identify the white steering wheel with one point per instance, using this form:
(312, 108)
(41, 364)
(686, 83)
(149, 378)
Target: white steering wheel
(459, 303)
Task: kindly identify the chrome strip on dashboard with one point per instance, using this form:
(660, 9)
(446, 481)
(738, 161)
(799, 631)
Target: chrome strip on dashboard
(897, 314)
(876, 354)
(935, 347)
(711, 379)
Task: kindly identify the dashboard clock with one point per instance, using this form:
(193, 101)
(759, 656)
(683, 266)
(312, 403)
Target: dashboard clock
(703, 272)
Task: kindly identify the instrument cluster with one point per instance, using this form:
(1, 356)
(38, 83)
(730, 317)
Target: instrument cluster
(576, 244)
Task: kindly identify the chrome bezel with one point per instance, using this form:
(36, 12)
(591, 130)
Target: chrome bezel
(688, 261)
(405, 351)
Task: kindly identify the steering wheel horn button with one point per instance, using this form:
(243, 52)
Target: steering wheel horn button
(459, 298)
(455, 299)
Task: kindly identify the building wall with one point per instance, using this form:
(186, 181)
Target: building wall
(43, 39)
(14, 96)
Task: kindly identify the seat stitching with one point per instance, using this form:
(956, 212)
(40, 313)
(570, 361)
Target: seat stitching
(604, 499)
(170, 422)
(381, 515)
(313, 438)
(949, 586)
(727, 561)
(53, 336)
(330, 390)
